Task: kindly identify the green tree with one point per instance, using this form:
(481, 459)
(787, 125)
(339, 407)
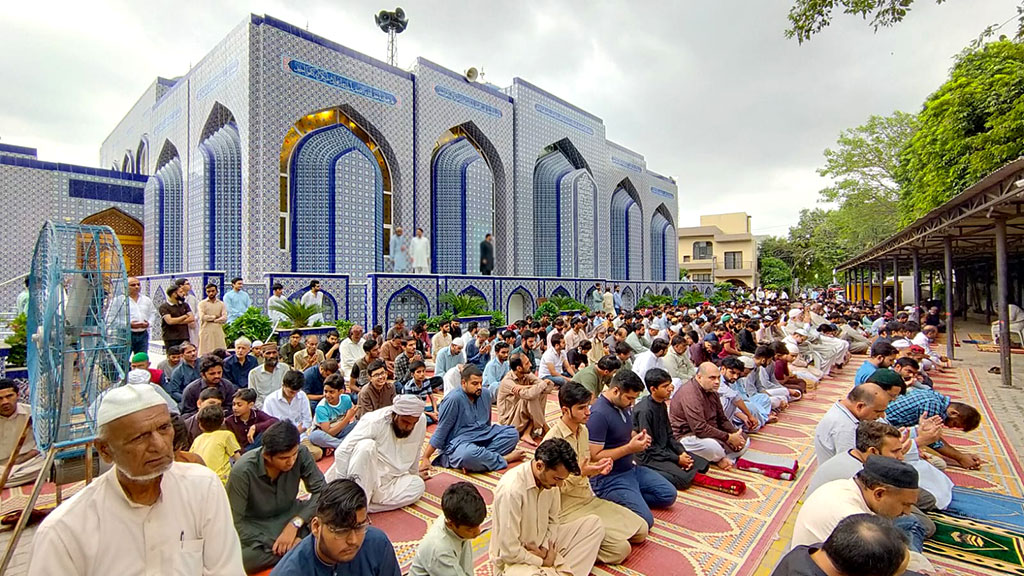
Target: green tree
(774, 273)
(808, 17)
(972, 125)
(777, 247)
(817, 248)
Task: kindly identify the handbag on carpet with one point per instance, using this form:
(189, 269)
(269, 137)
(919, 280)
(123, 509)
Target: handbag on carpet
(772, 466)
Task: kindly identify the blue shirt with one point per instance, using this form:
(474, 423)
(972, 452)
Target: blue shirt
(237, 371)
(908, 408)
(461, 420)
(314, 381)
(864, 372)
(494, 372)
(376, 557)
(611, 427)
(475, 357)
(445, 361)
(326, 412)
(183, 376)
(237, 303)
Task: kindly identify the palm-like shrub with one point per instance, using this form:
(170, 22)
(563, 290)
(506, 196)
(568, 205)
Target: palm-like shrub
(297, 313)
(465, 304)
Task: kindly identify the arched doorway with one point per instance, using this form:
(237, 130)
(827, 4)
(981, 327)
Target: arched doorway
(627, 232)
(462, 202)
(520, 305)
(564, 215)
(163, 214)
(408, 303)
(129, 233)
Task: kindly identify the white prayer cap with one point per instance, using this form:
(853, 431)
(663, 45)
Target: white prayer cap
(795, 312)
(257, 343)
(677, 327)
(408, 405)
(138, 376)
(792, 348)
(748, 362)
(691, 312)
(459, 342)
(125, 400)
(901, 344)
(801, 332)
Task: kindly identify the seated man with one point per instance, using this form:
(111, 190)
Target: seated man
(1016, 318)
(907, 410)
(526, 536)
(382, 454)
(836, 432)
(334, 416)
(211, 375)
(596, 376)
(14, 416)
(521, 399)
(554, 365)
(269, 377)
(447, 547)
(677, 362)
(859, 544)
(314, 378)
(450, 356)
(883, 354)
(246, 421)
(763, 378)
(379, 393)
(421, 386)
(884, 487)
(405, 359)
(699, 421)
(289, 403)
(263, 490)
(750, 412)
(464, 435)
(611, 436)
(621, 526)
(341, 540)
(496, 369)
(665, 455)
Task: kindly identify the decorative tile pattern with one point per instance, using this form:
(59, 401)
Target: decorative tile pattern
(463, 206)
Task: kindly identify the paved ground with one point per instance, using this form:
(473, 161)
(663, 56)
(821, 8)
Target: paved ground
(1007, 403)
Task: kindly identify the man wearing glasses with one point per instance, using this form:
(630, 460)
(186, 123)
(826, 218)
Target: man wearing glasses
(341, 540)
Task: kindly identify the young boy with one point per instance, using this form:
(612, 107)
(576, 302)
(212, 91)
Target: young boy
(246, 422)
(420, 385)
(447, 548)
(781, 368)
(335, 414)
(216, 446)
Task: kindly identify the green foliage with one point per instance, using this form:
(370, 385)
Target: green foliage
(774, 273)
(654, 301)
(567, 303)
(465, 304)
(723, 293)
(548, 308)
(692, 298)
(497, 319)
(17, 341)
(434, 322)
(972, 125)
(684, 274)
(252, 324)
(343, 327)
(297, 313)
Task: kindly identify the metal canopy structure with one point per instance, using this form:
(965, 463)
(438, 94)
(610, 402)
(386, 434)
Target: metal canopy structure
(982, 226)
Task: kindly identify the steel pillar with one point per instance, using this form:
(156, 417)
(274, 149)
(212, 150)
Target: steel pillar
(1002, 303)
(947, 245)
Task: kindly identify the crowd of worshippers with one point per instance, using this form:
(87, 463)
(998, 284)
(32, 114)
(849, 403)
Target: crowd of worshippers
(213, 447)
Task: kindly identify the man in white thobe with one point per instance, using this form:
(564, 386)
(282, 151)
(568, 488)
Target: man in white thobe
(314, 297)
(419, 247)
(148, 515)
(382, 454)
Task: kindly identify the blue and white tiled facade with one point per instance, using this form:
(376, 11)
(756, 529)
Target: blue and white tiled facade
(238, 171)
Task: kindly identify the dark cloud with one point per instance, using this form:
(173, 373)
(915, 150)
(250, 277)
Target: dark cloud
(710, 92)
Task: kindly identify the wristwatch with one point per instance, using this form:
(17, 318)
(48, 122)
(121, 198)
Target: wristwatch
(297, 522)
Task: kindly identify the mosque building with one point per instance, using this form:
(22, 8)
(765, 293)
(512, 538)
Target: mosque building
(284, 157)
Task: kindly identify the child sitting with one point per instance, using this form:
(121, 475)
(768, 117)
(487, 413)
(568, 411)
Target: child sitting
(216, 446)
(420, 385)
(246, 421)
(447, 548)
(335, 414)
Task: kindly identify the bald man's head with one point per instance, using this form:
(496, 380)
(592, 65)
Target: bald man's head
(707, 376)
(867, 401)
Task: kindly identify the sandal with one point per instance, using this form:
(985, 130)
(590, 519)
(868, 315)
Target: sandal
(995, 370)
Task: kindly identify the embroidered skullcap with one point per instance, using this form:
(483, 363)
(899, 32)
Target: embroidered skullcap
(408, 405)
(748, 362)
(257, 343)
(459, 342)
(138, 376)
(890, 471)
(140, 357)
(124, 400)
(269, 345)
(795, 312)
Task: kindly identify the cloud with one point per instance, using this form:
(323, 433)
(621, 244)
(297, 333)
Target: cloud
(710, 92)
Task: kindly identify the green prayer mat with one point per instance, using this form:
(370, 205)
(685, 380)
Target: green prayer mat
(977, 544)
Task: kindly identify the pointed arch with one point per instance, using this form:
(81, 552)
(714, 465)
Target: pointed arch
(626, 232)
(561, 291)
(564, 213)
(129, 233)
(408, 302)
(462, 204)
(215, 196)
(628, 298)
(162, 210)
(473, 291)
(663, 245)
(142, 156)
(519, 300)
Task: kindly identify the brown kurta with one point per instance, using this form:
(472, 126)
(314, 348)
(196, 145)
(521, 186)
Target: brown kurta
(212, 316)
(371, 398)
(521, 401)
(696, 412)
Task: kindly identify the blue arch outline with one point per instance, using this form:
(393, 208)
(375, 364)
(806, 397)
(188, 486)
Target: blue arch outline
(560, 290)
(387, 305)
(478, 291)
(298, 294)
(508, 301)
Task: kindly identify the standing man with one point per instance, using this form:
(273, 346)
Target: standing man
(487, 255)
(608, 302)
(143, 315)
(617, 299)
(597, 297)
(420, 248)
(464, 434)
(399, 251)
(382, 454)
(611, 436)
(186, 295)
(526, 535)
(176, 317)
(160, 517)
(237, 300)
(276, 300)
(314, 297)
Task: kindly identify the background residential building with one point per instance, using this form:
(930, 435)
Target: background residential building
(721, 249)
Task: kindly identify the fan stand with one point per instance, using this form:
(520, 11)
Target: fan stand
(44, 473)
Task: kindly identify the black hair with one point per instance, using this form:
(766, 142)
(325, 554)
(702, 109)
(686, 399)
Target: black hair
(556, 339)
(463, 505)
(659, 345)
(733, 363)
(627, 381)
(377, 364)
(281, 437)
(334, 333)
(555, 452)
(209, 361)
(181, 439)
(172, 290)
(764, 351)
(908, 361)
(314, 283)
(622, 348)
(970, 418)
(656, 377)
(294, 380)
(883, 348)
(678, 339)
(416, 365)
(277, 286)
(210, 392)
(500, 346)
(609, 363)
(210, 418)
(294, 332)
(245, 395)
(866, 544)
(470, 370)
(573, 394)
(339, 502)
(336, 381)
(369, 345)
(8, 384)
(515, 361)
(330, 366)
(233, 280)
(174, 350)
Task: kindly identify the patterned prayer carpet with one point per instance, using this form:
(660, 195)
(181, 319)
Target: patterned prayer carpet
(984, 343)
(977, 544)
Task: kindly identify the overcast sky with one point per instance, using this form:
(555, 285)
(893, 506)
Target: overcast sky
(711, 92)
